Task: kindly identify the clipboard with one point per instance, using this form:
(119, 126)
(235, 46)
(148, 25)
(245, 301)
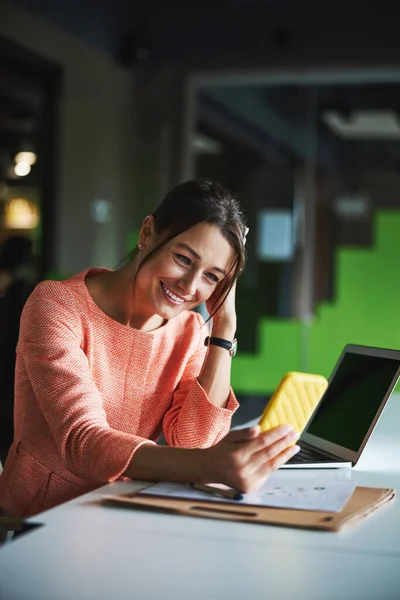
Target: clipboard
(362, 503)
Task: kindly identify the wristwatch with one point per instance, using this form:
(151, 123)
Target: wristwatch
(231, 346)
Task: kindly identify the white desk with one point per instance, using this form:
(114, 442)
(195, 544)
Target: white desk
(90, 551)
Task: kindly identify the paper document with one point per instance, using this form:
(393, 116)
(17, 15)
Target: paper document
(306, 490)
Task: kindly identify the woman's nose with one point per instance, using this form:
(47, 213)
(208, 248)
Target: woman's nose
(188, 284)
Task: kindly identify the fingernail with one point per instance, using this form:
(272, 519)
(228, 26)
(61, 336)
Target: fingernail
(295, 450)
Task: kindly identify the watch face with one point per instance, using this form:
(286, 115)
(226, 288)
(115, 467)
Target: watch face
(233, 350)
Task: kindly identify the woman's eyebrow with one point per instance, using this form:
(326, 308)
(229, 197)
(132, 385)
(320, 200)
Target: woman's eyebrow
(194, 253)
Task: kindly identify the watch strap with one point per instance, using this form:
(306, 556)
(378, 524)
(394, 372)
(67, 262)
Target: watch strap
(229, 345)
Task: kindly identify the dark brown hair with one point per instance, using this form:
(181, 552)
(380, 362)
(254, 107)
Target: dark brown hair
(203, 201)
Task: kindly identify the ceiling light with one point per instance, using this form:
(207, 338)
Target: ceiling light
(28, 157)
(22, 168)
(363, 124)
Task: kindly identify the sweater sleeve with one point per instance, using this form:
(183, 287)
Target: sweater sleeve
(192, 420)
(58, 369)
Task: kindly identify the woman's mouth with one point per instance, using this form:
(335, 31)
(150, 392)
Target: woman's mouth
(170, 295)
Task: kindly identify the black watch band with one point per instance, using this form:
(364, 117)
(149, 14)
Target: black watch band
(231, 346)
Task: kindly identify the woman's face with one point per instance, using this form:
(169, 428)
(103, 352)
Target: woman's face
(183, 273)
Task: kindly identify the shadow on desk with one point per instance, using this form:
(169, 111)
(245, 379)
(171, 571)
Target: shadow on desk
(12, 528)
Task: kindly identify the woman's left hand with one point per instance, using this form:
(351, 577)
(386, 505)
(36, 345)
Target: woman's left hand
(227, 312)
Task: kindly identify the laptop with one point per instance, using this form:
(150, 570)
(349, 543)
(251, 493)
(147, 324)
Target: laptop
(359, 387)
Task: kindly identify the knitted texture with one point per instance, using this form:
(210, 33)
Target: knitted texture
(89, 391)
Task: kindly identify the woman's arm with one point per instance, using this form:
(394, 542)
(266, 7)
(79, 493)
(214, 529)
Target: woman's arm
(243, 459)
(215, 376)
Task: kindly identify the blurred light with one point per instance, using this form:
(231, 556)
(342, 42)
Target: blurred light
(356, 207)
(202, 144)
(26, 157)
(364, 124)
(275, 235)
(101, 211)
(22, 168)
(20, 214)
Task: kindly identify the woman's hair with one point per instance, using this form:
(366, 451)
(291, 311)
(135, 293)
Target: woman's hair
(203, 201)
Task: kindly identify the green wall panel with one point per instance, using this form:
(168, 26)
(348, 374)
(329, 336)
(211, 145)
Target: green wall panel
(366, 311)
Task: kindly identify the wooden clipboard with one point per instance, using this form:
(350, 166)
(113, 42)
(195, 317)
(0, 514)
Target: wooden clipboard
(363, 502)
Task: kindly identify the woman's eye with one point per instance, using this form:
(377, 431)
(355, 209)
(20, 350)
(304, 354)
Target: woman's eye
(212, 277)
(185, 260)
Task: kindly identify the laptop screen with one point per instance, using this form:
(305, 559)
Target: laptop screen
(352, 399)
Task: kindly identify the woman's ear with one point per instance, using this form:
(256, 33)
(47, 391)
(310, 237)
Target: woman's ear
(146, 231)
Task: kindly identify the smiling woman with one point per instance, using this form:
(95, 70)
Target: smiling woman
(109, 360)
(183, 273)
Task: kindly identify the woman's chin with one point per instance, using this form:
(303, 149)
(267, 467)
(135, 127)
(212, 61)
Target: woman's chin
(169, 312)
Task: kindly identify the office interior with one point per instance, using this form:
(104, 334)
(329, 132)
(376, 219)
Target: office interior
(114, 110)
(294, 107)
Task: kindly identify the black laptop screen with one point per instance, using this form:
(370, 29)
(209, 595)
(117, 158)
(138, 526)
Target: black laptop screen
(352, 399)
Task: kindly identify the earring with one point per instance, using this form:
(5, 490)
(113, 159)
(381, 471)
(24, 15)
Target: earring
(140, 246)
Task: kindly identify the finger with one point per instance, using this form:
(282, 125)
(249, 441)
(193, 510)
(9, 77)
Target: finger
(271, 452)
(269, 466)
(243, 435)
(283, 457)
(269, 437)
(256, 478)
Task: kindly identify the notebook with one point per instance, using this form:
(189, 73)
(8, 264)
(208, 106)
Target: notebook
(359, 387)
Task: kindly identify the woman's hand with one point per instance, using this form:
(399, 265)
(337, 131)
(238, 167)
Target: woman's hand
(245, 457)
(226, 314)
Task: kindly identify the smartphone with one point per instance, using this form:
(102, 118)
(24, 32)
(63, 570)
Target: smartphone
(293, 401)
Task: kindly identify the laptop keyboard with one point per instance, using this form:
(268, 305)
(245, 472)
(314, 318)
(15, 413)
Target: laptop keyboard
(309, 455)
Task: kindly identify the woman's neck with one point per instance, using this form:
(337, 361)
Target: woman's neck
(113, 292)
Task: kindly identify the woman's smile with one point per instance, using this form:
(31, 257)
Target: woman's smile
(172, 297)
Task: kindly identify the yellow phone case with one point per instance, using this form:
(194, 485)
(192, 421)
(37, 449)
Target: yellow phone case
(293, 401)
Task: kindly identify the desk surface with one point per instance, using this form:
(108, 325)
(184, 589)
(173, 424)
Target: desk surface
(87, 550)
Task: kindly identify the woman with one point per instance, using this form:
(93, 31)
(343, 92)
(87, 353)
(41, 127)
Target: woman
(108, 360)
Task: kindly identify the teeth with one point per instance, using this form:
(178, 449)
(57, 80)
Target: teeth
(171, 295)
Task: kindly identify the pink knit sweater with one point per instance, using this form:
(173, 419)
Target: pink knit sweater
(90, 391)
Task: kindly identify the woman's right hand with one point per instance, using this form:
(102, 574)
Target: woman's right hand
(245, 457)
